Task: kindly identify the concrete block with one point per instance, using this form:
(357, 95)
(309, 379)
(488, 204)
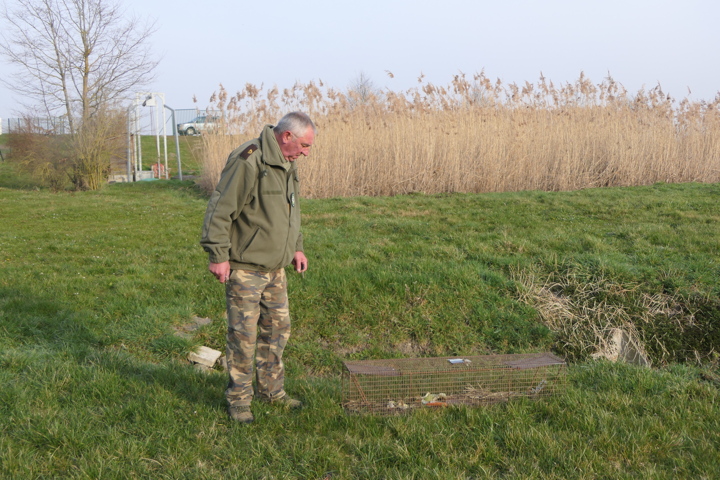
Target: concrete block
(622, 347)
(205, 356)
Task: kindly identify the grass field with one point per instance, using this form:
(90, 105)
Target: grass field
(94, 382)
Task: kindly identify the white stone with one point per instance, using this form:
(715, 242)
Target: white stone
(622, 347)
(205, 356)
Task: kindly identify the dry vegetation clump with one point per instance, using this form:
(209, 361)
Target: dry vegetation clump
(583, 309)
(475, 135)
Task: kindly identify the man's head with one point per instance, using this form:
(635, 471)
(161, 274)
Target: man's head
(295, 133)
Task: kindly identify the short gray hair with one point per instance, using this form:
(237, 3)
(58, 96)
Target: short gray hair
(295, 122)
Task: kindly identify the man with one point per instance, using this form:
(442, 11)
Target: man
(252, 232)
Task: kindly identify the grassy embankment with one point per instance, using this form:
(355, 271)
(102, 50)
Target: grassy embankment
(93, 284)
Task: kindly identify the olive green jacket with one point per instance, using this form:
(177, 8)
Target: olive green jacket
(253, 217)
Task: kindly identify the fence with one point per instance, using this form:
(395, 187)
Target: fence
(182, 115)
(188, 115)
(44, 125)
(59, 126)
(185, 115)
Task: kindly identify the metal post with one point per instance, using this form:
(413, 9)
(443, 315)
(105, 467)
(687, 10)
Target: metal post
(177, 142)
(138, 146)
(157, 137)
(164, 135)
(129, 147)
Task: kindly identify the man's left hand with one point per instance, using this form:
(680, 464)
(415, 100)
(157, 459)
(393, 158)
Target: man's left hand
(300, 261)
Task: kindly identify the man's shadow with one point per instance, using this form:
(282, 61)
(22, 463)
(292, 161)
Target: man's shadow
(31, 322)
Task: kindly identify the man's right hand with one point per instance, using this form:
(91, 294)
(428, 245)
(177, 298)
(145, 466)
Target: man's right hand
(220, 270)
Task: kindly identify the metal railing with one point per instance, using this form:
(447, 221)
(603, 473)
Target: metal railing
(44, 125)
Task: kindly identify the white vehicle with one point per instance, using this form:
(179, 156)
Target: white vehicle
(197, 125)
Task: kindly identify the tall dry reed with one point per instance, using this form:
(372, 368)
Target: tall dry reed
(475, 135)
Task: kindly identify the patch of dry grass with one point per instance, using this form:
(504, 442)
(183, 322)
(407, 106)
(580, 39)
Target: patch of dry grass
(584, 309)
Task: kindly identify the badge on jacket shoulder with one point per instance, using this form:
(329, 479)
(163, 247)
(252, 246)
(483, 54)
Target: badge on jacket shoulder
(248, 151)
(292, 199)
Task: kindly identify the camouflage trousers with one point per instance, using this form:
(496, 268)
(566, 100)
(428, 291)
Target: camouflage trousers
(258, 330)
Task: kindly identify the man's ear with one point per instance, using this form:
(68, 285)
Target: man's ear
(287, 136)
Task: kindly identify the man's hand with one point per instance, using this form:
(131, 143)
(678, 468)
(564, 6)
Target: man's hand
(220, 270)
(300, 261)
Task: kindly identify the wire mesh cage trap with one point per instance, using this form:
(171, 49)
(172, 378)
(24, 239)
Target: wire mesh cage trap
(398, 386)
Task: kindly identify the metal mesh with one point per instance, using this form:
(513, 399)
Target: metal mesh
(397, 386)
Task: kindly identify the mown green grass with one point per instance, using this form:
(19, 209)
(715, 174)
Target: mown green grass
(92, 285)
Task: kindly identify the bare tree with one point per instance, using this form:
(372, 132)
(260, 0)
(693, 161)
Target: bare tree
(75, 57)
(362, 90)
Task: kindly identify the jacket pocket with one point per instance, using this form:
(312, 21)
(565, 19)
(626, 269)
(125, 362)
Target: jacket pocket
(249, 241)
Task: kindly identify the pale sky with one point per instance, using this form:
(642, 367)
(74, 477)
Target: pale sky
(640, 43)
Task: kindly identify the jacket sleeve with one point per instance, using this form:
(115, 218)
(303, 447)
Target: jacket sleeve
(299, 243)
(231, 194)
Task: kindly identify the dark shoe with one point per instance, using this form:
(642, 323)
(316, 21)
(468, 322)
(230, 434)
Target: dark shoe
(241, 414)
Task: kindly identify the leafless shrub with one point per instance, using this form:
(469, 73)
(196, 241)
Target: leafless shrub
(81, 160)
(44, 156)
(94, 144)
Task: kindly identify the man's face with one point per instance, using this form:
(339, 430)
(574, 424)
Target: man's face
(293, 146)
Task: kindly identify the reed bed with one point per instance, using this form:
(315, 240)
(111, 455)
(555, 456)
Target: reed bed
(475, 135)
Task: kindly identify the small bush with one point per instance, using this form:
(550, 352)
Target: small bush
(43, 156)
(80, 160)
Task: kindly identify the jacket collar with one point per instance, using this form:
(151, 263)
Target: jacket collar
(272, 155)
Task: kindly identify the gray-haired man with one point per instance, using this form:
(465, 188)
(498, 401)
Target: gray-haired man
(252, 232)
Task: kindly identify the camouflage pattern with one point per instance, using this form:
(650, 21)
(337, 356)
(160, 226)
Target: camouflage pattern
(258, 330)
